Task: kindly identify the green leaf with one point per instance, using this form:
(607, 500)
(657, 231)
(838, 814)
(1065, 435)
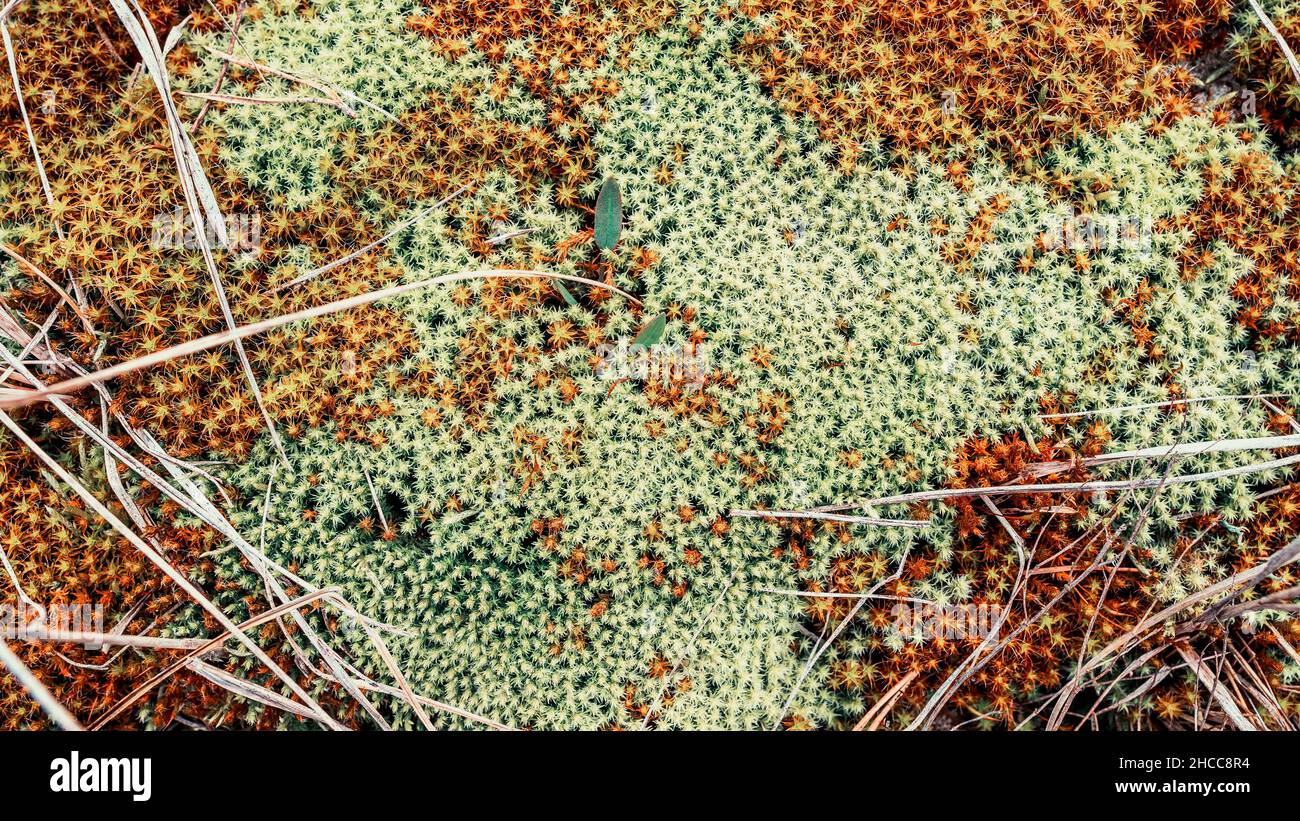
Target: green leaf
(564, 292)
(609, 215)
(653, 332)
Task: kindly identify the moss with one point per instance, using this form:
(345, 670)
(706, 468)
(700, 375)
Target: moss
(550, 515)
(880, 341)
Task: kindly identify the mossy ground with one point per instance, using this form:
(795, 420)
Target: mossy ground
(879, 309)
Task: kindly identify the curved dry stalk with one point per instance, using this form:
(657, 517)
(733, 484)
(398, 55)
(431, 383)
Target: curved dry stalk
(374, 497)
(201, 507)
(290, 606)
(58, 289)
(987, 492)
(367, 684)
(509, 235)
(117, 630)
(873, 718)
(18, 586)
(1255, 576)
(237, 333)
(139, 517)
(143, 36)
(199, 196)
(1096, 708)
(1282, 600)
(246, 689)
(1059, 714)
(396, 672)
(1016, 538)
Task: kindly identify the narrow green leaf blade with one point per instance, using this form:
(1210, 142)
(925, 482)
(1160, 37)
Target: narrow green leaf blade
(564, 292)
(652, 332)
(609, 215)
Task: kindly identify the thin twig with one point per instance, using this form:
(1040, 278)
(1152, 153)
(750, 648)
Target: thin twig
(235, 99)
(1148, 405)
(830, 517)
(320, 85)
(819, 650)
(198, 652)
(244, 331)
(199, 196)
(1164, 451)
(397, 229)
(64, 295)
(22, 110)
(1211, 683)
(221, 74)
(1091, 486)
(688, 649)
(101, 639)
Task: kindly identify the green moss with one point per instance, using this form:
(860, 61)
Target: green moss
(881, 344)
(361, 48)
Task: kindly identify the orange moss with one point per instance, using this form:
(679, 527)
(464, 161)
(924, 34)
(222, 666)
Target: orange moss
(108, 156)
(63, 555)
(1088, 602)
(1017, 74)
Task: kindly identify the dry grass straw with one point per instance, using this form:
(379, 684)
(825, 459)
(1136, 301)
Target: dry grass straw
(200, 199)
(16, 399)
